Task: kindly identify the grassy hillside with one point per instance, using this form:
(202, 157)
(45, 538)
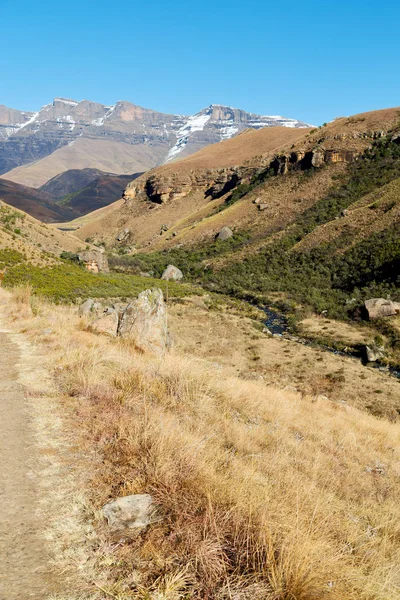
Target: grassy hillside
(188, 211)
(30, 254)
(100, 192)
(262, 493)
(37, 203)
(330, 257)
(342, 261)
(39, 243)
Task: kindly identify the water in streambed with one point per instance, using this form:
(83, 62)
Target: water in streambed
(277, 324)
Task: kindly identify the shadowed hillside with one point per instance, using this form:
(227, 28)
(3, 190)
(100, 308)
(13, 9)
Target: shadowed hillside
(37, 203)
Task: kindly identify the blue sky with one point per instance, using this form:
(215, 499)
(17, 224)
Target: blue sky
(312, 60)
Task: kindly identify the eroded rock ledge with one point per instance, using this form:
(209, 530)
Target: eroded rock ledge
(163, 186)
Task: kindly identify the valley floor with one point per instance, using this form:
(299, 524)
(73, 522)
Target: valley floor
(235, 346)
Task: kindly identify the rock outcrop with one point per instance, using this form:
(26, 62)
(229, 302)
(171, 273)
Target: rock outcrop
(323, 146)
(134, 512)
(162, 186)
(145, 322)
(378, 308)
(172, 273)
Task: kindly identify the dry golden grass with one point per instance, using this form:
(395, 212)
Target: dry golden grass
(22, 298)
(39, 242)
(265, 494)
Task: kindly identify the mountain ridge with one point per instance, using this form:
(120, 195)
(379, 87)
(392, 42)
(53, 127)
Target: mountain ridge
(189, 195)
(135, 138)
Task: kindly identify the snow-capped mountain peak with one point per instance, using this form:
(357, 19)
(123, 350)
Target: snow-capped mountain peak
(147, 137)
(223, 122)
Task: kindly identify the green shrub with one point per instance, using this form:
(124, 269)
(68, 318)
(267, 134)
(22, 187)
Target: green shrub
(67, 281)
(9, 258)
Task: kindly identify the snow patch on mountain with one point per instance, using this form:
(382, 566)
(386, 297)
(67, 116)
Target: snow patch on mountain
(195, 123)
(28, 122)
(66, 119)
(99, 122)
(228, 129)
(65, 101)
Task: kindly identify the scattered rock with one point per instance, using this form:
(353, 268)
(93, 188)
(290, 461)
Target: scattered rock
(323, 398)
(379, 307)
(172, 273)
(224, 234)
(89, 307)
(163, 229)
(377, 469)
(108, 324)
(375, 352)
(130, 512)
(86, 307)
(124, 235)
(251, 376)
(262, 206)
(145, 321)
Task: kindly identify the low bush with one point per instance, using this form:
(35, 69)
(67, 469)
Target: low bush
(66, 282)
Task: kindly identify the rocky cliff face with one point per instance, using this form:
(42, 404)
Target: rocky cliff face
(166, 187)
(162, 186)
(11, 120)
(30, 136)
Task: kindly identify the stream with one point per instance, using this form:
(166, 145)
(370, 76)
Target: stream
(277, 324)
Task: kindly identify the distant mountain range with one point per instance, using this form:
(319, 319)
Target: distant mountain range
(120, 139)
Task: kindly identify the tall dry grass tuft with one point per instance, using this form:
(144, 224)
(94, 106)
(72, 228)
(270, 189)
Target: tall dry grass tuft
(264, 494)
(22, 297)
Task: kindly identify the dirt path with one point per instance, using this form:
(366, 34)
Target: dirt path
(24, 561)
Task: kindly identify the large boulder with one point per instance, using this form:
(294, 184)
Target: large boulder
(172, 273)
(379, 307)
(145, 322)
(130, 512)
(107, 324)
(224, 234)
(94, 260)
